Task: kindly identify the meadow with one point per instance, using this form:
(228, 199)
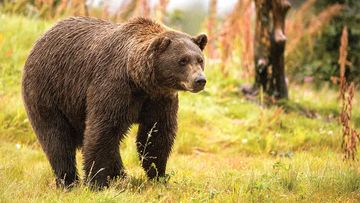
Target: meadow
(228, 149)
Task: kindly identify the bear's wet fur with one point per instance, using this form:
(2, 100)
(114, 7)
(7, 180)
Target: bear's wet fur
(86, 81)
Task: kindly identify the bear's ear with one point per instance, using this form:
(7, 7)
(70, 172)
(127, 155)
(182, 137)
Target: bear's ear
(160, 44)
(201, 40)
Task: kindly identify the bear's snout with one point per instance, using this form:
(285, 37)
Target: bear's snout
(199, 82)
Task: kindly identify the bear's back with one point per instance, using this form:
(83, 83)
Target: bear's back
(64, 62)
(61, 50)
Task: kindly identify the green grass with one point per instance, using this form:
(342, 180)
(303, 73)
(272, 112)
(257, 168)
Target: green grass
(227, 149)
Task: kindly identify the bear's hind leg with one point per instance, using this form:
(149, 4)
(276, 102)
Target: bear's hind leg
(56, 137)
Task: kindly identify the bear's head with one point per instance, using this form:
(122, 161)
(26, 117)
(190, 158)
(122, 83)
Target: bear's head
(179, 61)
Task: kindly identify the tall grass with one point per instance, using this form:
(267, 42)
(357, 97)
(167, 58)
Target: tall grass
(350, 136)
(161, 10)
(236, 38)
(212, 29)
(51, 9)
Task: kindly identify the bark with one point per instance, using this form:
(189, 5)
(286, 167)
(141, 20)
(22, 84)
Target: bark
(278, 87)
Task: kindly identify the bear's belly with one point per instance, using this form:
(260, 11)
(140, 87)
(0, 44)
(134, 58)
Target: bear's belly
(137, 101)
(76, 115)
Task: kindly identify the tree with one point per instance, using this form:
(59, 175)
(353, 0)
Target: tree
(269, 48)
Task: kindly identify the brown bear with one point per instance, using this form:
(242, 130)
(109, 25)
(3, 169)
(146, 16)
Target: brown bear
(86, 81)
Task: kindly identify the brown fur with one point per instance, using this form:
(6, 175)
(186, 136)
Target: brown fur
(86, 81)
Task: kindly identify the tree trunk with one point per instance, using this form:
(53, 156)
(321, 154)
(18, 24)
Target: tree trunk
(278, 41)
(269, 48)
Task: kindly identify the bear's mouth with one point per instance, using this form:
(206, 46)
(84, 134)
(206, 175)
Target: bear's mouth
(191, 88)
(196, 90)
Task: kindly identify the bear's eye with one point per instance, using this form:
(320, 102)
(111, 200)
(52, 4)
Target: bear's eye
(200, 60)
(183, 61)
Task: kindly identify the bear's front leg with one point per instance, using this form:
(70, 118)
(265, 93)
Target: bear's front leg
(106, 125)
(157, 131)
(102, 161)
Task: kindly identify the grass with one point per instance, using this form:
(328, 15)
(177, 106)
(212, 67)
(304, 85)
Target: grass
(228, 149)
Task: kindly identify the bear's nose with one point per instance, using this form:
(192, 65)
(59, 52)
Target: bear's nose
(200, 80)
